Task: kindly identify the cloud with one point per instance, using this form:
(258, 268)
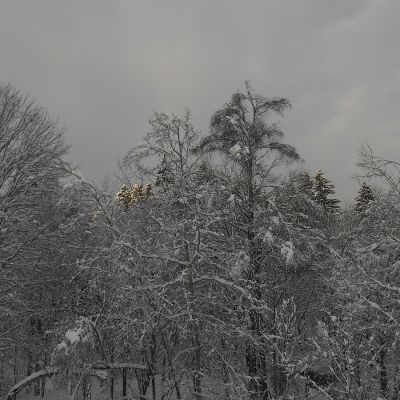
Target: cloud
(103, 67)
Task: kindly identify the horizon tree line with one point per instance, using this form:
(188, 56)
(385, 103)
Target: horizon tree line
(207, 275)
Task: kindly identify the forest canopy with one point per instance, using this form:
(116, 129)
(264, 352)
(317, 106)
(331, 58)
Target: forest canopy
(221, 269)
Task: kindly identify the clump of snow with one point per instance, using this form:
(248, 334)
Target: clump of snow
(238, 151)
(287, 252)
(80, 333)
(241, 263)
(231, 120)
(68, 185)
(61, 346)
(235, 150)
(79, 175)
(72, 337)
(101, 374)
(275, 220)
(268, 238)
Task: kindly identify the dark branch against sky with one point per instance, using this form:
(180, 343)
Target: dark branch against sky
(103, 67)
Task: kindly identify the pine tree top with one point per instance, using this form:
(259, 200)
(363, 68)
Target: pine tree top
(321, 189)
(364, 197)
(128, 197)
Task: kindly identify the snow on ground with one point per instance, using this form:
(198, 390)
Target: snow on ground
(101, 391)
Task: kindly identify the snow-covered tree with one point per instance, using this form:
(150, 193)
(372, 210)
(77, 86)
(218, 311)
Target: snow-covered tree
(364, 197)
(357, 341)
(322, 188)
(31, 167)
(254, 147)
(204, 275)
(45, 214)
(167, 250)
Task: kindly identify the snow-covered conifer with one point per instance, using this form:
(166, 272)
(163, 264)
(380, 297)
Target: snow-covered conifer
(364, 197)
(322, 188)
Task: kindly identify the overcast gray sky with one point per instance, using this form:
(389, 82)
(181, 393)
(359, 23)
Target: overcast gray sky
(103, 66)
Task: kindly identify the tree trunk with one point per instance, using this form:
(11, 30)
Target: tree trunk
(29, 369)
(15, 370)
(153, 352)
(197, 362)
(124, 382)
(178, 391)
(279, 378)
(153, 386)
(112, 380)
(383, 377)
(69, 384)
(255, 356)
(112, 387)
(225, 373)
(251, 362)
(37, 384)
(196, 368)
(85, 388)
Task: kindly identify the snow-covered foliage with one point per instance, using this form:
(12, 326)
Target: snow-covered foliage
(213, 280)
(241, 263)
(80, 333)
(268, 237)
(287, 252)
(236, 150)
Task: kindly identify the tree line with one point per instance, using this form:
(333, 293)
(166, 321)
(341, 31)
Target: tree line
(221, 269)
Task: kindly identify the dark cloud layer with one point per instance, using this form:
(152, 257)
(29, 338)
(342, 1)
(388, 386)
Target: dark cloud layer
(102, 67)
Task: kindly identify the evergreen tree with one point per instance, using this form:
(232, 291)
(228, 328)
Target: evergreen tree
(305, 183)
(322, 188)
(164, 174)
(364, 197)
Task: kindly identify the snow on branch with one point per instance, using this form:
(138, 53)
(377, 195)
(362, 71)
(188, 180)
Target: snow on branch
(96, 369)
(43, 373)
